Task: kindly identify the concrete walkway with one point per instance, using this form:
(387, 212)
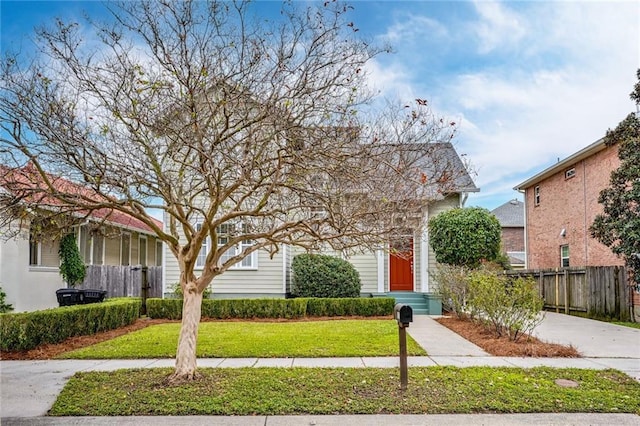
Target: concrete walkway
(29, 388)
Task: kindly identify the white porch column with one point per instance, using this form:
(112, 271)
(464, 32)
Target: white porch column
(380, 261)
(424, 253)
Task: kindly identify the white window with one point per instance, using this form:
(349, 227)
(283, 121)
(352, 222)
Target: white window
(125, 249)
(97, 241)
(224, 232)
(158, 253)
(202, 256)
(43, 252)
(564, 256)
(536, 195)
(142, 259)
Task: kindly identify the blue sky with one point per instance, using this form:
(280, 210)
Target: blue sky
(528, 81)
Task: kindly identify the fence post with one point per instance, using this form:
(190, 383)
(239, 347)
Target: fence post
(566, 292)
(557, 293)
(145, 289)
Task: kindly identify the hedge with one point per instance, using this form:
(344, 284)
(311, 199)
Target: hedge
(27, 330)
(274, 308)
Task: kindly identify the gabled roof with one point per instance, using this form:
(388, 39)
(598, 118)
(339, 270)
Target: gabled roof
(22, 182)
(462, 182)
(590, 150)
(510, 214)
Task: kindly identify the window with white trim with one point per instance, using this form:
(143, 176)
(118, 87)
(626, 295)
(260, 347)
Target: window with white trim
(125, 249)
(568, 174)
(536, 196)
(564, 256)
(225, 232)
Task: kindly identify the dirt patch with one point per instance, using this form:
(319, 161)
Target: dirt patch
(526, 346)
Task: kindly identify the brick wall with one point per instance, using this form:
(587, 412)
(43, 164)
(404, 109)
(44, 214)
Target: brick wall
(513, 239)
(570, 204)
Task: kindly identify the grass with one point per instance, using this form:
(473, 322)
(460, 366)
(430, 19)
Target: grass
(627, 324)
(287, 391)
(338, 338)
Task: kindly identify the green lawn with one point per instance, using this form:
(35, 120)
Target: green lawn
(337, 338)
(285, 391)
(627, 324)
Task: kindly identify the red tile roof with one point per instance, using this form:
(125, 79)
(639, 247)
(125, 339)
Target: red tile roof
(29, 187)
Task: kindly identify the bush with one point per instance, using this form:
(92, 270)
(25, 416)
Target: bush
(507, 307)
(231, 308)
(365, 307)
(453, 286)
(318, 275)
(275, 308)
(24, 331)
(4, 306)
(465, 237)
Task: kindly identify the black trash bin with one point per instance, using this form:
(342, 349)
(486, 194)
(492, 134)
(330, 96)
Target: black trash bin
(93, 296)
(69, 296)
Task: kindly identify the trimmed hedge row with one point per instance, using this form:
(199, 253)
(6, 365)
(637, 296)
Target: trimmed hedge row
(24, 331)
(275, 308)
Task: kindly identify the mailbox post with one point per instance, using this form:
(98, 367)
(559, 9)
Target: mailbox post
(404, 315)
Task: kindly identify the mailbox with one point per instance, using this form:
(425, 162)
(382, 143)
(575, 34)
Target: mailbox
(403, 314)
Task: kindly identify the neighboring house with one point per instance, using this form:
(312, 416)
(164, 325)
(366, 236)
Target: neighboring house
(29, 267)
(263, 275)
(561, 203)
(511, 218)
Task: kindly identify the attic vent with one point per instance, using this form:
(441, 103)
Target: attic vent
(568, 174)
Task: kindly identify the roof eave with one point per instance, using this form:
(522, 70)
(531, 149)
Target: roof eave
(594, 148)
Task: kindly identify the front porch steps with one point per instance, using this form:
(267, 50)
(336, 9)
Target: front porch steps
(417, 301)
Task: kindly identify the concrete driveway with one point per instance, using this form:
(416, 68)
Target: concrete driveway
(593, 339)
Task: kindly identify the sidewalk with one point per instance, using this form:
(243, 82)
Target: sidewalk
(29, 388)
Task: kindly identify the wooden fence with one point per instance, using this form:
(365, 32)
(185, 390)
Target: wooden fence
(598, 291)
(124, 281)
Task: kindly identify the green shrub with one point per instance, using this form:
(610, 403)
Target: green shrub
(72, 266)
(465, 236)
(318, 275)
(231, 308)
(366, 307)
(275, 308)
(24, 331)
(507, 307)
(4, 306)
(453, 286)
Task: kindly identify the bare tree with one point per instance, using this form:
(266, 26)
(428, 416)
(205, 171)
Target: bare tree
(237, 128)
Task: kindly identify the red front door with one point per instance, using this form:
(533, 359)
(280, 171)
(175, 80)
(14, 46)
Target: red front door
(401, 265)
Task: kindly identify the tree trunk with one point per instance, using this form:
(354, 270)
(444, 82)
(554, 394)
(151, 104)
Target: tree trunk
(186, 353)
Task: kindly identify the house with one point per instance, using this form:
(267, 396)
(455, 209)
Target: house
(29, 262)
(561, 203)
(511, 218)
(404, 265)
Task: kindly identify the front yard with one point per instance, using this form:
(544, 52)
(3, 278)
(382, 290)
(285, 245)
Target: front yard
(242, 339)
(286, 391)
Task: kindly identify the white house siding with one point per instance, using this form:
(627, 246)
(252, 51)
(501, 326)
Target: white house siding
(451, 202)
(367, 266)
(28, 288)
(265, 281)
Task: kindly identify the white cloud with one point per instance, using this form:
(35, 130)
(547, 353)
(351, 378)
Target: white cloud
(499, 27)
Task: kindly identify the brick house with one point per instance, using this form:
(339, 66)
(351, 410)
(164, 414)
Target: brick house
(561, 203)
(511, 218)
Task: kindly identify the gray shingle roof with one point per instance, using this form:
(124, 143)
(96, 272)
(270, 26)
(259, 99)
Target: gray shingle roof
(510, 214)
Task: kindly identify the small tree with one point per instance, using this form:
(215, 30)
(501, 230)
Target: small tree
(71, 265)
(465, 237)
(247, 133)
(618, 227)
